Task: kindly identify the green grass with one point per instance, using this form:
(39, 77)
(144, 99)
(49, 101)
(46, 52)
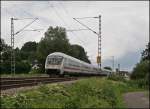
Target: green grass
(85, 93)
(147, 93)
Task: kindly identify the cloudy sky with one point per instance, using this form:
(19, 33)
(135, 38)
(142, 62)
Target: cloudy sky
(124, 26)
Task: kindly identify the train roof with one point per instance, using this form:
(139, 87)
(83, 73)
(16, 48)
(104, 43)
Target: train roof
(72, 58)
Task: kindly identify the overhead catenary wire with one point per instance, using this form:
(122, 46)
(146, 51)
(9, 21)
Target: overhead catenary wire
(64, 21)
(85, 26)
(24, 26)
(67, 13)
(82, 23)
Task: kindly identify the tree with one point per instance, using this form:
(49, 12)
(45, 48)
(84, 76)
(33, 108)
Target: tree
(141, 70)
(145, 53)
(5, 57)
(55, 40)
(78, 52)
(29, 47)
(28, 51)
(108, 68)
(5, 67)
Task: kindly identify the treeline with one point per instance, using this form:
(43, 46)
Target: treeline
(142, 69)
(54, 40)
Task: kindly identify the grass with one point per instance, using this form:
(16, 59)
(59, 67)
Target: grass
(85, 93)
(147, 93)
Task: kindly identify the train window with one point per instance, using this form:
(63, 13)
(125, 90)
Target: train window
(55, 60)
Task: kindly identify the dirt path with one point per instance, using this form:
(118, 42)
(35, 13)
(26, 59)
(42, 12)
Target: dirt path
(136, 100)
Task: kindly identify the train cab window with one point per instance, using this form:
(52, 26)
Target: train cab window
(55, 60)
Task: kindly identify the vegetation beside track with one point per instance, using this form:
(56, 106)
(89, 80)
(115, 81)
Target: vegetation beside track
(87, 93)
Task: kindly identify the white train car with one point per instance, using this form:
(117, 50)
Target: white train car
(60, 64)
(106, 72)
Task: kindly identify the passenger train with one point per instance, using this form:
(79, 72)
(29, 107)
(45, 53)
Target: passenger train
(58, 63)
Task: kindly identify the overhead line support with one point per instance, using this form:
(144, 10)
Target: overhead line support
(99, 36)
(13, 41)
(12, 48)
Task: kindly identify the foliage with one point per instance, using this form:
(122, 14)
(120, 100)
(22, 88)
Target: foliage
(55, 40)
(116, 77)
(78, 52)
(140, 72)
(28, 51)
(29, 47)
(138, 83)
(108, 68)
(85, 93)
(145, 53)
(35, 71)
(21, 66)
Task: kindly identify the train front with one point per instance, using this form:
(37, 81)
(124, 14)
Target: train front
(53, 64)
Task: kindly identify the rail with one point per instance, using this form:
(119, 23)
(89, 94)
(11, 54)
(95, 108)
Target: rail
(8, 83)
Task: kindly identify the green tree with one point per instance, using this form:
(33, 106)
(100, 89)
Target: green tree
(146, 53)
(5, 57)
(55, 40)
(23, 67)
(108, 68)
(29, 47)
(141, 70)
(5, 67)
(28, 51)
(78, 52)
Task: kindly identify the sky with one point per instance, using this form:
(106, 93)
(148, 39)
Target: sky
(124, 26)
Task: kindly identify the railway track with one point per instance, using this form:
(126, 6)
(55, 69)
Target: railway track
(8, 83)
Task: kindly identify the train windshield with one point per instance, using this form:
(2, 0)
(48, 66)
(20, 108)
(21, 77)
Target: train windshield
(54, 60)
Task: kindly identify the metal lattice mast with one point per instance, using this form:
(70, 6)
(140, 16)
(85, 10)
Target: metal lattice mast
(99, 37)
(12, 48)
(99, 43)
(12, 40)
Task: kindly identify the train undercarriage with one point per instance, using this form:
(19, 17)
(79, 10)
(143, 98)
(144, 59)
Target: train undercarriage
(56, 73)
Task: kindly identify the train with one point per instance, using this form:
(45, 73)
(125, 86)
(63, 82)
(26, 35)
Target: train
(58, 63)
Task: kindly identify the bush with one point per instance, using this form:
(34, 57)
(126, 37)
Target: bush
(72, 103)
(23, 67)
(85, 93)
(141, 71)
(5, 67)
(36, 71)
(116, 77)
(140, 74)
(138, 83)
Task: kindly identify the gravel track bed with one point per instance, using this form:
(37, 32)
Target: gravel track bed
(14, 91)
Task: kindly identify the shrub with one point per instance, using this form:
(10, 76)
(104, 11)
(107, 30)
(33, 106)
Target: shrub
(36, 71)
(108, 93)
(116, 77)
(141, 70)
(85, 93)
(21, 101)
(72, 103)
